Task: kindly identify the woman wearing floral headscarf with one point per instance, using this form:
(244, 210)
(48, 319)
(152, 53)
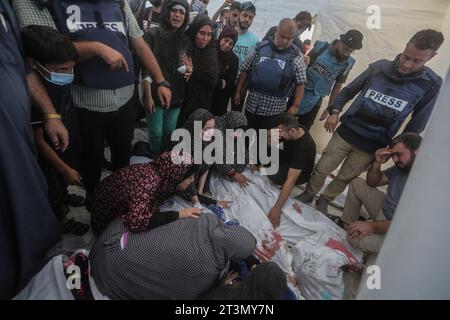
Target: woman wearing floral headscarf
(136, 192)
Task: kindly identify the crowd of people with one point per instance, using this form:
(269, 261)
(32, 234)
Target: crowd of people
(74, 69)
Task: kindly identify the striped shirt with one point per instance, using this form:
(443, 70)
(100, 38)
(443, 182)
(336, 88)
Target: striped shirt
(98, 100)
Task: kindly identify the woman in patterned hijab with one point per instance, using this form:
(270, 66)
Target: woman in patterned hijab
(180, 260)
(136, 192)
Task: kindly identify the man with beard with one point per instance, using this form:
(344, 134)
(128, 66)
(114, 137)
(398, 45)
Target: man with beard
(244, 46)
(273, 71)
(247, 40)
(369, 235)
(388, 92)
(329, 66)
(303, 20)
(235, 13)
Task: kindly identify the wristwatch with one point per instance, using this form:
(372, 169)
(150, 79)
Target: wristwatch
(48, 116)
(163, 84)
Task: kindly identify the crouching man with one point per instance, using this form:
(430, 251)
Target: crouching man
(369, 236)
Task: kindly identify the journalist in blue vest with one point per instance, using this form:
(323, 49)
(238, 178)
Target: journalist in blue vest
(386, 94)
(104, 33)
(329, 66)
(273, 72)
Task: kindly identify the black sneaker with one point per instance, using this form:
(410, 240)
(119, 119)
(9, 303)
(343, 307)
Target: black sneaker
(305, 197)
(322, 204)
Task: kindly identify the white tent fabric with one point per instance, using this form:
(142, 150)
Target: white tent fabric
(399, 20)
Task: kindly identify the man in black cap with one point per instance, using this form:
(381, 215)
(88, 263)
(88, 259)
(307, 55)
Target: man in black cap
(328, 67)
(323, 58)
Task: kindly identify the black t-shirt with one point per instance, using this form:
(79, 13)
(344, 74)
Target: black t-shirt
(150, 19)
(299, 154)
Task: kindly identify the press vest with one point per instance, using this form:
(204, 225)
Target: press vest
(384, 103)
(273, 73)
(322, 75)
(103, 21)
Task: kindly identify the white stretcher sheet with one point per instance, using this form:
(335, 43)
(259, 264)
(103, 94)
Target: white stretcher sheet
(319, 246)
(51, 283)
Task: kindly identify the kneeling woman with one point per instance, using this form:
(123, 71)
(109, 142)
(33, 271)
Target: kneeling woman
(180, 260)
(136, 192)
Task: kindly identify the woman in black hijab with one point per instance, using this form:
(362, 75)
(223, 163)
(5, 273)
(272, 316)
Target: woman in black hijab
(228, 68)
(205, 62)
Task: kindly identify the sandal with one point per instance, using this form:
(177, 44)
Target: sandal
(74, 200)
(75, 227)
(337, 220)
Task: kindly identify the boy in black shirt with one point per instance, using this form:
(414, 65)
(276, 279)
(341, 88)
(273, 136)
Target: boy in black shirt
(53, 56)
(296, 160)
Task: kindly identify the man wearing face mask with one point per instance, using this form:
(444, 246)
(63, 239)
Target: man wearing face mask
(389, 91)
(105, 34)
(53, 56)
(329, 66)
(369, 235)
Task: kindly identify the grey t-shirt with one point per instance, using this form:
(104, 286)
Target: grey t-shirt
(397, 180)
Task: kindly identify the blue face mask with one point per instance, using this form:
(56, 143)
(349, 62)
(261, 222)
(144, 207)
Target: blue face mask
(59, 79)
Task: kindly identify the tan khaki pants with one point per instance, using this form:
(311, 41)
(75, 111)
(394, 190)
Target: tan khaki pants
(354, 163)
(360, 194)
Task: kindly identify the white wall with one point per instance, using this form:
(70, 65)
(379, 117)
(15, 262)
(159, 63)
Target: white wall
(441, 62)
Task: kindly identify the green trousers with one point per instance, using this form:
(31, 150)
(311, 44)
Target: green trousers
(160, 125)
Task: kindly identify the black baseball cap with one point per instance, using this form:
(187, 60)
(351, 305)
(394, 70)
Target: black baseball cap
(353, 39)
(248, 6)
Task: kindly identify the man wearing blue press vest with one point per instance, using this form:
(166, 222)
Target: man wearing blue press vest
(274, 71)
(330, 64)
(104, 33)
(388, 92)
